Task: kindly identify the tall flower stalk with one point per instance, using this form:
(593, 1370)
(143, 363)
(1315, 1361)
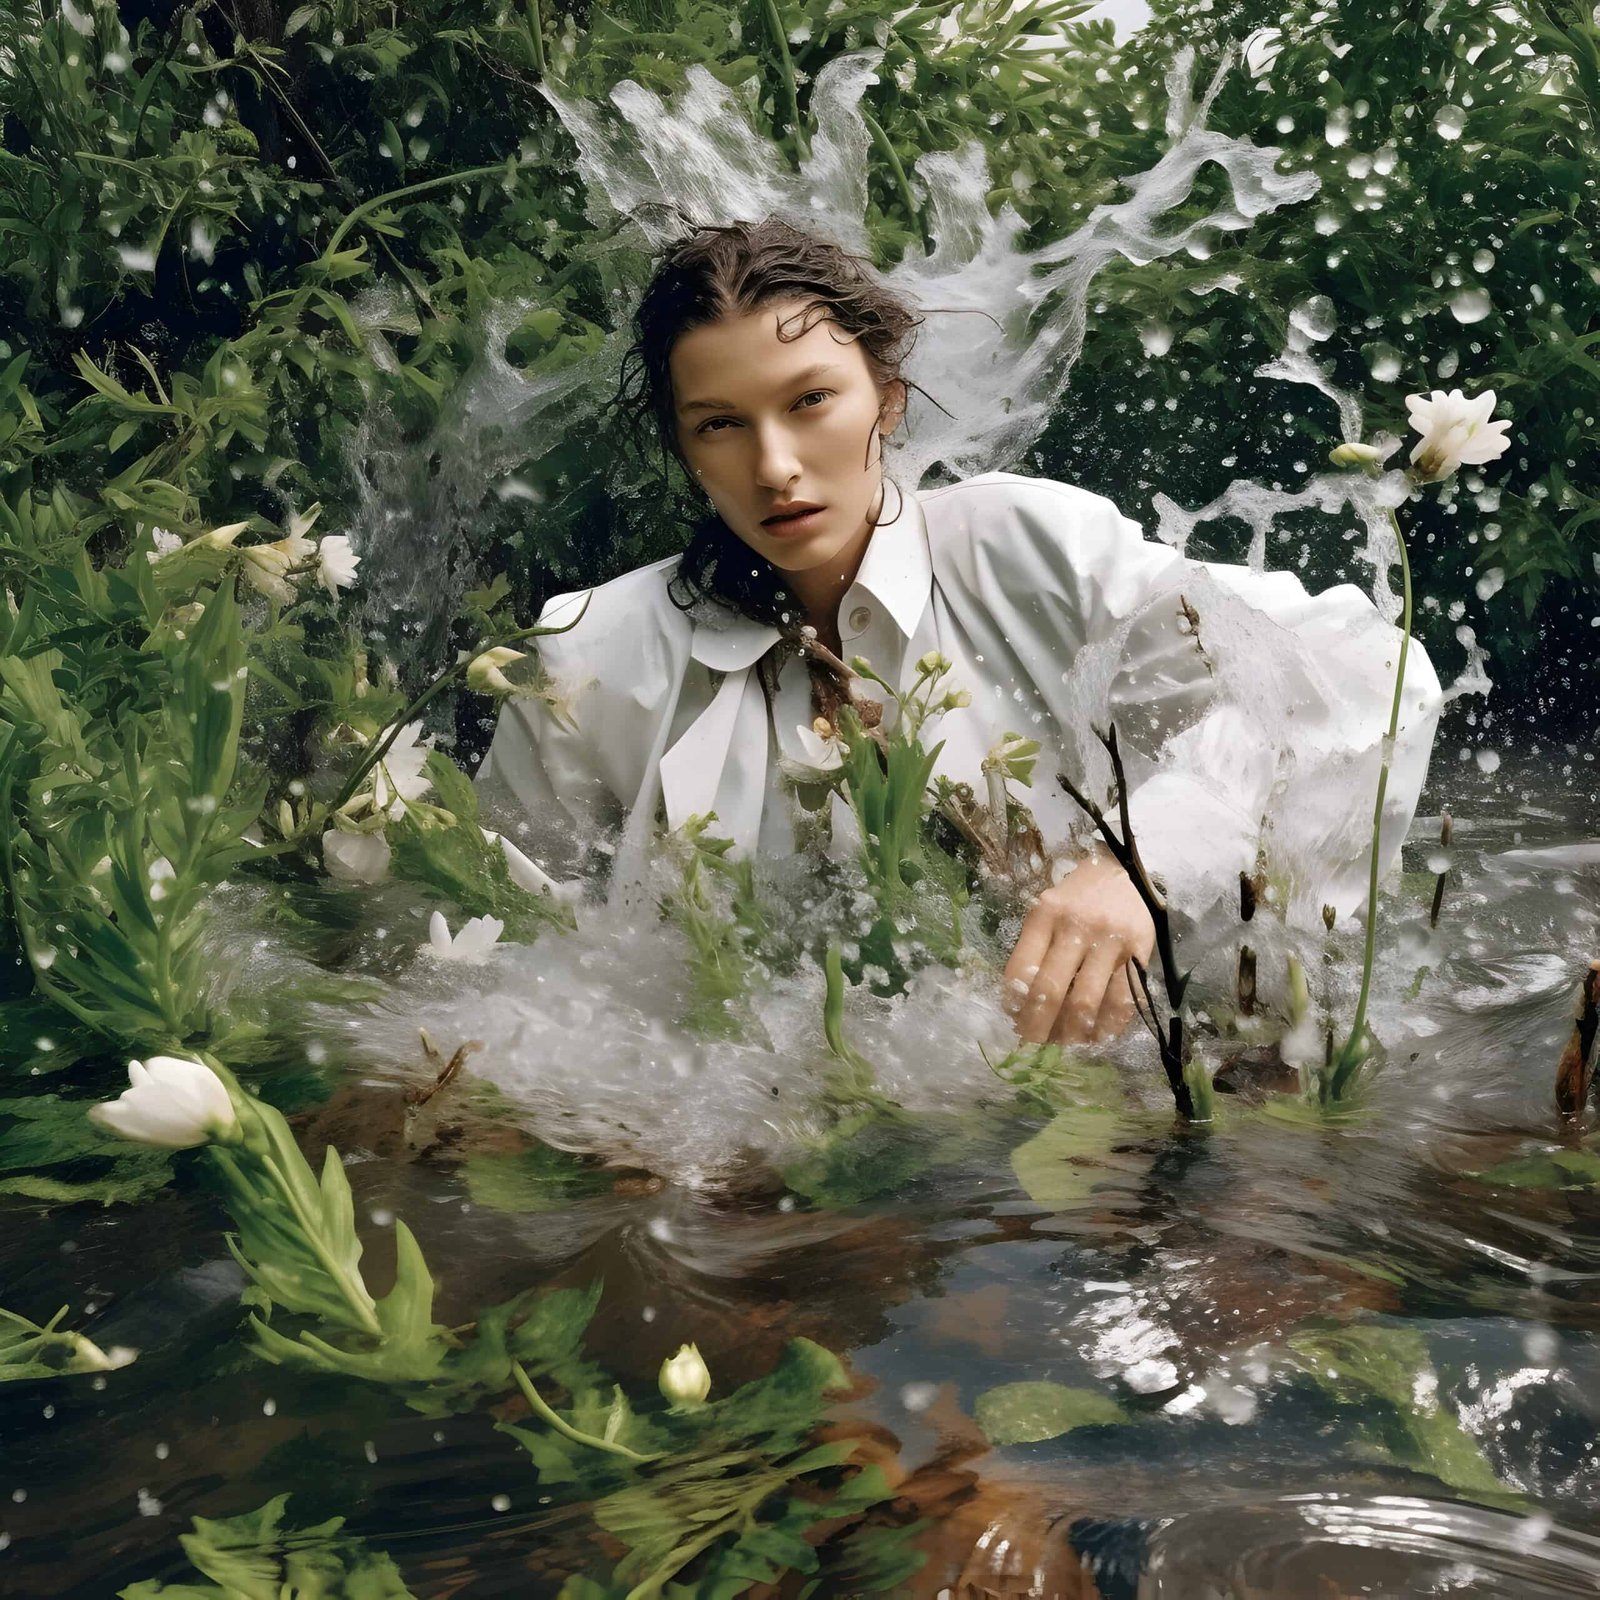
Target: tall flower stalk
(1455, 432)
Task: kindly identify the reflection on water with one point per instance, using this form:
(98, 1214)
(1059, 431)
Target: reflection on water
(1347, 1364)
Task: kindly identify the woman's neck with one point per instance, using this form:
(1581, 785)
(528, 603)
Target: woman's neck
(820, 589)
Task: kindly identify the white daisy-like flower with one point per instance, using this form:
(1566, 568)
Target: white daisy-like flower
(399, 777)
(476, 939)
(336, 563)
(824, 749)
(1455, 432)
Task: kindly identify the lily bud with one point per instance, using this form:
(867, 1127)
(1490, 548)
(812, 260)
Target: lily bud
(222, 538)
(933, 664)
(685, 1379)
(172, 1102)
(1356, 455)
(486, 672)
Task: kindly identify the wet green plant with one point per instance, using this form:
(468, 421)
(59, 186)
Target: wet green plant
(731, 1485)
(717, 908)
(33, 1350)
(255, 1556)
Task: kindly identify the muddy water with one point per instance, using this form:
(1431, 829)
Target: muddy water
(1187, 1276)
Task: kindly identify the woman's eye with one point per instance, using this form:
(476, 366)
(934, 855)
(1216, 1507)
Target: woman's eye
(814, 394)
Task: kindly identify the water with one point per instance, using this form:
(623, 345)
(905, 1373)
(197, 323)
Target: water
(1177, 1273)
(1342, 1361)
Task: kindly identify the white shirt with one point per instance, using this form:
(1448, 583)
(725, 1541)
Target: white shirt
(1262, 735)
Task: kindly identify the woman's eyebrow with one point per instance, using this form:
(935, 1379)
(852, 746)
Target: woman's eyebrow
(804, 376)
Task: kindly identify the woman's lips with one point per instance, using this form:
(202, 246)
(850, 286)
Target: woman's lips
(800, 523)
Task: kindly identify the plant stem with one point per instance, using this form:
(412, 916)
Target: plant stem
(780, 45)
(1354, 1050)
(381, 748)
(536, 34)
(410, 191)
(565, 1428)
(887, 150)
(355, 1294)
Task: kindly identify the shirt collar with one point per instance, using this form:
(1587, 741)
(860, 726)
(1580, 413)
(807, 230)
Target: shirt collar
(897, 570)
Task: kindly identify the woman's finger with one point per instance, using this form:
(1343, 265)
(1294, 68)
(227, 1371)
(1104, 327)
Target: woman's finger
(1076, 1021)
(1038, 930)
(1037, 1018)
(1116, 1011)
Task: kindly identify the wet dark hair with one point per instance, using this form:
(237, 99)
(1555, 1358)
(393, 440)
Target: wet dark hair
(733, 270)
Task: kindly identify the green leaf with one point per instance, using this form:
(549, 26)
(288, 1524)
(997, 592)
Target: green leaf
(1022, 1413)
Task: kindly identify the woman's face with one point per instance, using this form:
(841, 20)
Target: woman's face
(764, 423)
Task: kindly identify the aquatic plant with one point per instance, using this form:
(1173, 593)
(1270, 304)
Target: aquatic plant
(31, 1350)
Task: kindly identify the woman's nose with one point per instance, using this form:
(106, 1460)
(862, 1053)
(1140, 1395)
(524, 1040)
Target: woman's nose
(777, 462)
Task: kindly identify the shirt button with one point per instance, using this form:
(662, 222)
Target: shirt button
(859, 618)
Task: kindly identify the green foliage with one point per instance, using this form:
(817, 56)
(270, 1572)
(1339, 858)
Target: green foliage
(530, 1181)
(254, 1557)
(50, 1151)
(1023, 1413)
(1384, 1374)
(719, 912)
(446, 851)
(30, 1350)
(1546, 1169)
(120, 778)
(735, 1503)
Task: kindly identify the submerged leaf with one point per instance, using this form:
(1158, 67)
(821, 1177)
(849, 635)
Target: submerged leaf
(1022, 1413)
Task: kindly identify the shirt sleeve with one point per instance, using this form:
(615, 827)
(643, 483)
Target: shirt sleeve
(1250, 714)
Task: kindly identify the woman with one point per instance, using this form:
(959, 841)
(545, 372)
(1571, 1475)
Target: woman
(769, 363)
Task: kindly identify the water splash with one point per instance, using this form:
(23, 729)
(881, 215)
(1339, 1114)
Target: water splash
(1004, 330)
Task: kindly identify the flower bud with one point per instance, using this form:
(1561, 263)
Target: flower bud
(685, 1379)
(172, 1102)
(1355, 455)
(486, 672)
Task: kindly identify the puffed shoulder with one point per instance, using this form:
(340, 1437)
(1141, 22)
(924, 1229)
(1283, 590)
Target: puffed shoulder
(1043, 546)
(624, 634)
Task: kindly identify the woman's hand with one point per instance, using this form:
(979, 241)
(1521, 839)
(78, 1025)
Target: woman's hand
(1068, 980)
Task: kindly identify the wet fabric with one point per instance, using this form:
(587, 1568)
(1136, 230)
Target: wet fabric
(1250, 713)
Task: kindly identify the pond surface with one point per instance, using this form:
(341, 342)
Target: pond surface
(1345, 1362)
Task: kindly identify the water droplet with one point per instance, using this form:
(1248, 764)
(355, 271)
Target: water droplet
(1450, 122)
(1471, 305)
(1488, 760)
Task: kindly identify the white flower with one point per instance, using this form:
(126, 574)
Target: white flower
(356, 857)
(474, 942)
(172, 1102)
(164, 543)
(1261, 49)
(399, 776)
(528, 874)
(1455, 432)
(824, 749)
(685, 1379)
(267, 565)
(336, 563)
(486, 672)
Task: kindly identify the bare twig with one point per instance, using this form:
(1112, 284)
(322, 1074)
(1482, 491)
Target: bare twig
(1576, 1070)
(1445, 828)
(1246, 985)
(1125, 850)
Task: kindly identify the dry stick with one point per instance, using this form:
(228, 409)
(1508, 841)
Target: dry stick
(1125, 850)
(1576, 1071)
(1445, 829)
(1245, 981)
